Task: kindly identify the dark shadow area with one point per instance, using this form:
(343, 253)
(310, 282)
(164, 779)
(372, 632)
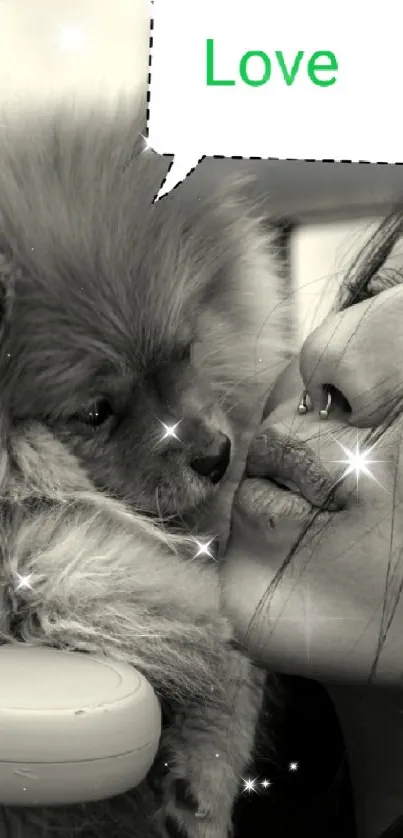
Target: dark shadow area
(312, 801)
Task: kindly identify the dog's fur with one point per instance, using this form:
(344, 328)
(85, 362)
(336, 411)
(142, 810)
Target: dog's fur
(156, 309)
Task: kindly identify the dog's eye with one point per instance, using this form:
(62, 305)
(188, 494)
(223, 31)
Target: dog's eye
(96, 414)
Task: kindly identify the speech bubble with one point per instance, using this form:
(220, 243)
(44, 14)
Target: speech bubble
(289, 80)
(183, 164)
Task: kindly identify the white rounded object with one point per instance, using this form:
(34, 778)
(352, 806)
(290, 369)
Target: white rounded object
(73, 727)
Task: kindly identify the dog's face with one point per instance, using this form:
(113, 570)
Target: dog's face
(103, 337)
(117, 385)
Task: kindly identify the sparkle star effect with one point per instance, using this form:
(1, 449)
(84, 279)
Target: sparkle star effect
(147, 146)
(265, 784)
(293, 766)
(23, 582)
(357, 462)
(310, 619)
(170, 431)
(204, 549)
(250, 785)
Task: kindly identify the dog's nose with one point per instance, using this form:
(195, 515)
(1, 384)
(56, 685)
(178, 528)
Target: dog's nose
(214, 460)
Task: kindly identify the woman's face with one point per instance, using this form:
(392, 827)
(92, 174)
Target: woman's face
(335, 611)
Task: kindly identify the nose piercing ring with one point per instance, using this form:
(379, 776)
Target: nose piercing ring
(303, 407)
(324, 413)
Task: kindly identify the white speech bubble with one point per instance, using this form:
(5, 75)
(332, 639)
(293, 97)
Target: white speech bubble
(323, 82)
(183, 165)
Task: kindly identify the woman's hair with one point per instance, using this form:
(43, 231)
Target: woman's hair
(367, 276)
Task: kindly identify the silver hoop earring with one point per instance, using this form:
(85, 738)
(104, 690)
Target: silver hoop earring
(324, 413)
(304, 407)
(303, 403)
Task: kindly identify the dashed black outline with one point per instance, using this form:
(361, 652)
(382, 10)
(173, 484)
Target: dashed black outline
(239, 156)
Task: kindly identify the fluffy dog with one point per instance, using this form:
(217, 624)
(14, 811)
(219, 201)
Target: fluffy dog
(130, 379)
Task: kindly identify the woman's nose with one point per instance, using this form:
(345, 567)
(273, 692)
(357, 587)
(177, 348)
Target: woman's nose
(357, 356)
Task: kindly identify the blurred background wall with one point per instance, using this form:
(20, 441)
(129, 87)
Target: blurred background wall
(87, 48)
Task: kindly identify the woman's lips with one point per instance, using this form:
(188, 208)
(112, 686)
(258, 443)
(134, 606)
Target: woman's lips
(267, 504)
(263, 500)
(292, 463)
(284, 480)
